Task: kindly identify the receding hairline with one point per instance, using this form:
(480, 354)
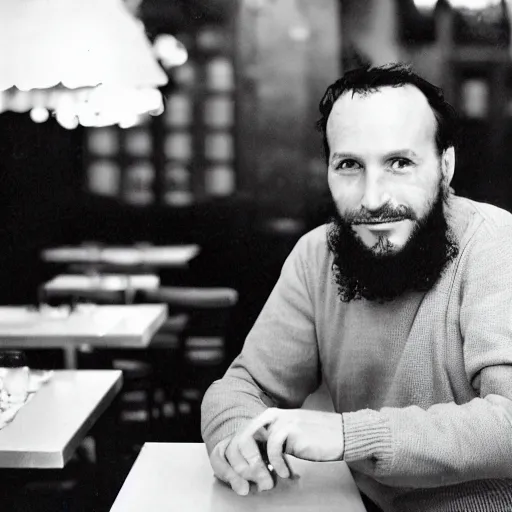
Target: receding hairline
(366, 93)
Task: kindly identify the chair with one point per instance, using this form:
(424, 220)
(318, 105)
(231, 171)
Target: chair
(189, 351)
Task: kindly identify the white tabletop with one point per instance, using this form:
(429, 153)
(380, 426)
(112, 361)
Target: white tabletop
(153, 256)
(48, 428)
(171, 476)
(107, 282)
(107, 326)
(129, 326)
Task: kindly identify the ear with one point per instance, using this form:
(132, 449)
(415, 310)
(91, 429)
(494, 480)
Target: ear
(448, 165)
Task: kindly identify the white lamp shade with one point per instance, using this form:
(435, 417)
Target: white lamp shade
(76, 43)
(88, 61)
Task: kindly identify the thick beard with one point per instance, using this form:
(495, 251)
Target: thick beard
(380, 274)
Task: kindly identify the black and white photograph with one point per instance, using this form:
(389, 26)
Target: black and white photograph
(256, 255)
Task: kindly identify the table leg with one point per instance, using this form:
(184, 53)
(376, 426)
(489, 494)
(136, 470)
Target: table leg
(112, 466)
(70, 357)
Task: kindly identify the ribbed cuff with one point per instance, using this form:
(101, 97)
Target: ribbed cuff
(367, 436)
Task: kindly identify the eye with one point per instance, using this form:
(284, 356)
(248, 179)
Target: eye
(348, 166)
(400, 164)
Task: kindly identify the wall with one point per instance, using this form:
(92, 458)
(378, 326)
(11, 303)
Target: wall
(289, 52)
(40, 177)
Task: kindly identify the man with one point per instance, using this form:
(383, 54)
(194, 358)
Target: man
(402, 304)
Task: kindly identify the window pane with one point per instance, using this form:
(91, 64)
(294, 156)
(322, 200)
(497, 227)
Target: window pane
(177, 185)
(103, 141)
(219, 74)
(220, 180)
(211, 39)
(219, 112)
(178, 146)
(475, 98)
(139, 183)
(103, 178)
(178, 110)
(185, 74)
(138, 143)
(219, 146)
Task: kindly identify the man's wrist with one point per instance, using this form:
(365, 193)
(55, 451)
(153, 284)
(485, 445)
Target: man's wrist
(336, 436)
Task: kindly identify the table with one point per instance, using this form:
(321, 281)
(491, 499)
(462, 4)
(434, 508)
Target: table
(168, 256)
(129, 326)
(70, 283)
(115, 288)
(48, 428)
(172, 476)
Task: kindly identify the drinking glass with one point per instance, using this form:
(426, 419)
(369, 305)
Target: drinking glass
(15, 375)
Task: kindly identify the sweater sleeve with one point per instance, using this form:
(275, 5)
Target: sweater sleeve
(279, 363)
(451, 443)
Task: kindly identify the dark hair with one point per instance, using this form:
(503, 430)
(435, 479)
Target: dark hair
(369, 79)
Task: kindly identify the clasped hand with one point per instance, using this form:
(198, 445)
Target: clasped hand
(309, 435)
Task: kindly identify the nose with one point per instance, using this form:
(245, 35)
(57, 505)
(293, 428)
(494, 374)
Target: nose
(374, 193)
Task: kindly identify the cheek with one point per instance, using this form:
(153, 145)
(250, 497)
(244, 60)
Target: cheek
(418, 193)
(345, 195)
(424, 185)
(420, 198)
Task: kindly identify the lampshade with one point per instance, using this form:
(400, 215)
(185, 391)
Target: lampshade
(475, 5)
(427, 6)
(88, 61)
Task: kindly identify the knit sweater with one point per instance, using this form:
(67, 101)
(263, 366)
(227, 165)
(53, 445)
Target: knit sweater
(424, 382)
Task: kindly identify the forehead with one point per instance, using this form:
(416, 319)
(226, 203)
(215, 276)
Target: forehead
(384, 118)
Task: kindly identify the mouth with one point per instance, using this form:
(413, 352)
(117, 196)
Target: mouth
(380, 221)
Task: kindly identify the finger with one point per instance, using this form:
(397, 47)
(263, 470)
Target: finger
(265, 418)
(237, 483)
(275, 449)
(243, 456)
(223, 471)
(236, 460)
(259, 472)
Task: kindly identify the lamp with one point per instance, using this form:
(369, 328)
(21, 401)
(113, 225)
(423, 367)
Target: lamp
(470, 5)
(87, 61)
(474, 5)
(427, 6)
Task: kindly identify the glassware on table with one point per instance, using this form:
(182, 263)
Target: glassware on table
(14, 372)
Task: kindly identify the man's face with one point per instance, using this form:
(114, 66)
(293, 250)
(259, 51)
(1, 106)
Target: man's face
(384, 170)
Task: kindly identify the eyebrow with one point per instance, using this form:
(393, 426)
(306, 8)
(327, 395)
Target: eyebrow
(407, 153)
(339, 156)
(403, 152)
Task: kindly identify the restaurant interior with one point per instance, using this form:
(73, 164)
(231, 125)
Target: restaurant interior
(158, 161)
